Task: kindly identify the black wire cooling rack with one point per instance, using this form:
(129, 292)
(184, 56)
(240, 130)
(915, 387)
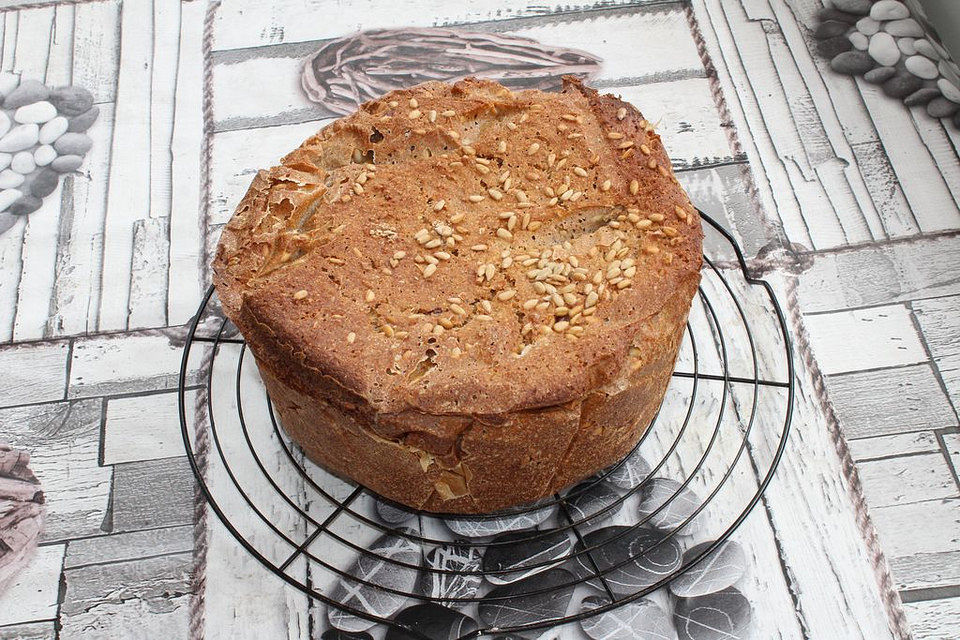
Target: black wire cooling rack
(719, 434)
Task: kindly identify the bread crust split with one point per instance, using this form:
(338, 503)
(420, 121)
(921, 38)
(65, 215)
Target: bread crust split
(466, 298)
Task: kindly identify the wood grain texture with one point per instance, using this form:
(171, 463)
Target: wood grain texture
(151, 494)
(907, 479)
(35, 372)
(880, 447)
(44, 630)
(63, 439)
(146, 360)
(938, 321)
(899, 272)
(33, 594)
(927, 570)
(128, 187)
(890, 401)
(146, 598)
(925, 527)
(74, 303)
(185, 282)
(245, 23)
(865, 339)
(132, 545)
(96, 44)
(148, 273)
(143, 427)
(934, 620)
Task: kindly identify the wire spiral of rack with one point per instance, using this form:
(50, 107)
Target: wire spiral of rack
(719, 434)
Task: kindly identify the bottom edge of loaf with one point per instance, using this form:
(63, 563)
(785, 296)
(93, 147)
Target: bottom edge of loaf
(492, 464)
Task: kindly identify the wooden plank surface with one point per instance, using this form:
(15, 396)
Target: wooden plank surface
(76, 293)
(934, 620)
(128, 186)
(185, 281)
(33, 594)
(76, 488)
(937, 319)
(245, 23)
(35, 372)
(143, 427)
(865, 339)
(890, 401)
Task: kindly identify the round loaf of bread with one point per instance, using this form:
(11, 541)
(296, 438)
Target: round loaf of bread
(466, 298)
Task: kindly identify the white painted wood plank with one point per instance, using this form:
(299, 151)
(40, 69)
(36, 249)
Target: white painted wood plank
(38, 261)
(76, 292)
(243, 599)
(938, 321)
(60, 63)
(44, 630)
(817, 529)
(96, 36)
(10, 19)
(248, 23)
(921, 527)
(907, 479)
(163, 86)
(186, 232)
(890, 401)
(33, 594)
(839, 172)
(667, 50)
(692, 131)
(934, 137)
(799, 136)
(881, 182)
(127, 363)
(11, 247)
(926, 570)
(131, 545)
(128, 191)
(148, 274)
(934, 619)
(864, 339)
(145, 598)
(144, 427)
(775, 190)
(931, 202)
(34, 29)
(897, 444)
(3, 23)
(898, 273)
(952, 443)
(63, 439)
(34, 372)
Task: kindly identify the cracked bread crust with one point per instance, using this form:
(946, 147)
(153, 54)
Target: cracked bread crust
(463, 297)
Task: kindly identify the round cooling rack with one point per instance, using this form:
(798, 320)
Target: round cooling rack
(372, 565)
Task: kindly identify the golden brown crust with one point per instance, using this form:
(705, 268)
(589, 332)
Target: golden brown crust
(456, 347)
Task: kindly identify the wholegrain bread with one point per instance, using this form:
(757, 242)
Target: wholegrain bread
(463, 297)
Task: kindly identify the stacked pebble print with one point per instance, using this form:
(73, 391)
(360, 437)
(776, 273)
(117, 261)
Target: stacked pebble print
(520, 555)
(41, 137)
(884, 42)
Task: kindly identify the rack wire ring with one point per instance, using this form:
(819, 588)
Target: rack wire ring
(197, 458)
